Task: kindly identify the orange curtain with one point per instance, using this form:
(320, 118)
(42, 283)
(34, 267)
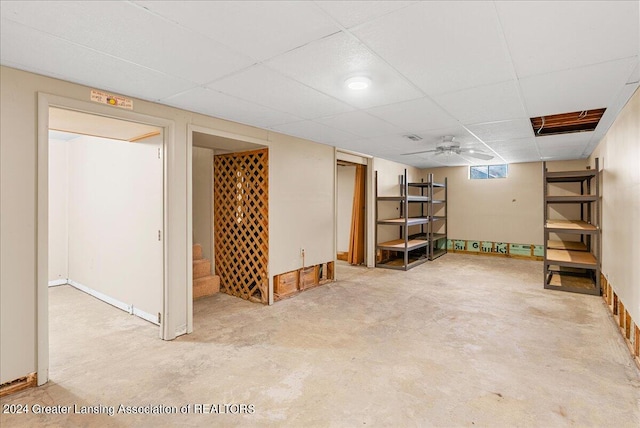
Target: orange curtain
(356, 238)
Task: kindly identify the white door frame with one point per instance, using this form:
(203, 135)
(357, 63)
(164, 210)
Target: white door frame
(45, 101)
(369, 218)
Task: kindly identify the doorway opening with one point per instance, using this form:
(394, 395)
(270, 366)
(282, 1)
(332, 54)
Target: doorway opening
(229, 216)
(351, 179)
(105, 218)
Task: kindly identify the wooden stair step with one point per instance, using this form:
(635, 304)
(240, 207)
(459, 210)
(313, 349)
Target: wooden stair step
(197, 251)
(206, 286)
(201, 268)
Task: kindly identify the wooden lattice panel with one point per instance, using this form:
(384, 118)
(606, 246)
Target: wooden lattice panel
(241, 223)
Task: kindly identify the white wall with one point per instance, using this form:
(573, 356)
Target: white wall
(346, 186)
(58, 210)
(619, 157)
(203, 200)
(301, 206)
(115, 213)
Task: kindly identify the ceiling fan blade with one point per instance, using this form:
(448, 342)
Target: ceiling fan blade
(418, 153)
(479, 155)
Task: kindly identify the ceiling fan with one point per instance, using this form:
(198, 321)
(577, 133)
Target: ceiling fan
(449, 147)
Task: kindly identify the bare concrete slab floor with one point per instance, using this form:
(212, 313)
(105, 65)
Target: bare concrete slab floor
(462, 341)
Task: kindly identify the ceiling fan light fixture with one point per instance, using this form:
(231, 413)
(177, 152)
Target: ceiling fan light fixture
(358, 83)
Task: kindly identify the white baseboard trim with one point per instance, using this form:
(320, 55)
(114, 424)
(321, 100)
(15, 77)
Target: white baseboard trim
(181, 330)
(56, 282)
(114, 302)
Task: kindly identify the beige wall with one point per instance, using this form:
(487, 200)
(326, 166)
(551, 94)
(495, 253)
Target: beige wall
(203, 200)
(389, 185)
(619, 157)
(58, 210)
(346, 183)
(301, 207)
(499, 210)
(115, 213)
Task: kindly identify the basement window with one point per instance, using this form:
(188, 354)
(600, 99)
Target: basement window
(482, 172)
(567, 123)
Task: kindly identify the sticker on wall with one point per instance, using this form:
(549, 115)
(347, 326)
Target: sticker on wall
(520, 250)
(473, 246)
(538, 251)
(486, 247)
(112, 100)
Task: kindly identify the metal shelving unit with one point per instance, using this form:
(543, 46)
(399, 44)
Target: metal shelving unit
(413, 249)
(437, 218)
(573, 264)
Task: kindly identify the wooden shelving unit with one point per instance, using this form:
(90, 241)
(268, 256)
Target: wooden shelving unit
(573, 264)
(429, 242)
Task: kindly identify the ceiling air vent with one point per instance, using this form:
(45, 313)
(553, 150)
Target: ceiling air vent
(413, 137)
(566, 123)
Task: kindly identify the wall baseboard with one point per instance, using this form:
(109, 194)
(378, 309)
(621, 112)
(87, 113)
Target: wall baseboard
(115, 302)
(56, 282)
(11, 387)
(629, 330)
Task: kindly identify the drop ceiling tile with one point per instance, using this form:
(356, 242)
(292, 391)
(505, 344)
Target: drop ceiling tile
(360, 123)
(315, 132)
(259, 29)
(578, 89)
(488, 103)
(352, 13)
(521, 155)
(215, 104)
(58, 58)
(326, 64)
(568, 141)
(132, 33)
(419, 114)
(442, 46)
(513, 144)
(261, 85)
(559, 35)
(502, 130)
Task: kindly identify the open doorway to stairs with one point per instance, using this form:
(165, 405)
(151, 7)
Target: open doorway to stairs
(100, 240)
(229, 217)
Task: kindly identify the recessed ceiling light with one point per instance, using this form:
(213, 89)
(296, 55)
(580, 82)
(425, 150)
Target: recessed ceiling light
(358, 83)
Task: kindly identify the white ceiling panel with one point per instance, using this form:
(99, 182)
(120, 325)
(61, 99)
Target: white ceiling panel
(521, 155)
(316, 132)
(563, 140)
(360, 123)
(327, 63)
(259, 29)
(352, 13)
(484, 104)
(575, 33)
(415, 115)
(55, 57)
(502, 130)
(513, 144)
(121, 29)
(578, 89)
(215, 104)
(442, 46)
(261, 85)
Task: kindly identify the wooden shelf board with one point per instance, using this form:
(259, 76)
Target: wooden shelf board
(398, 244)
(567, 245)
(571, 281)
(410, 198)
(412, 221)
(568, 256)
(572, 199)
(570, 225)
(569, 176)
(437, 236)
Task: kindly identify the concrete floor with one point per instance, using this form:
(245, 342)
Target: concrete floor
(462, 341)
